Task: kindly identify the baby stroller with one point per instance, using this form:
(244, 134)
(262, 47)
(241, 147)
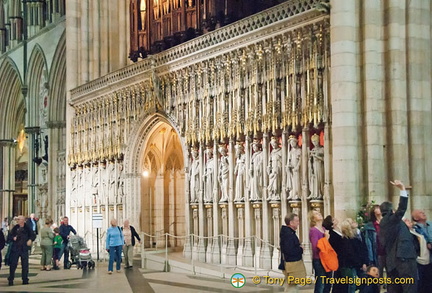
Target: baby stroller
(80, 253)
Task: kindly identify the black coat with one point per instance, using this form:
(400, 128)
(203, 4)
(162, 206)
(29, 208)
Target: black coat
(395, 236)
(134, 234)
(290, 245)
(2, 241)
(22, 237)
(336, 241)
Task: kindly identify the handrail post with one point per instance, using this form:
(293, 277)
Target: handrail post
(166, 265)
(255, 255)
(143, 255)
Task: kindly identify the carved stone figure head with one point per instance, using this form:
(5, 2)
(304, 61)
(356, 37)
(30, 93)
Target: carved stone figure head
(315, 139)
(195, 153)
(209, 152)
(293, 141)
(274, 142)
(239, 149)
(222, 150)
(256, 145)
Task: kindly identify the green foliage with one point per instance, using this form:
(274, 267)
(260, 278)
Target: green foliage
(363, 215)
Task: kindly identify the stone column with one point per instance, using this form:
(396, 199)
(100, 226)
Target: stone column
(373, 86)
(114, 32)
(419, 103)
(181, 227)
(265, 256)
(32, 168)
(84, 41)
(216, 257)
(195, 231)
(328, 204)
(132, 204)
(346, 110)
(201, 213)
(396, 78)
(172, 213)
(224, 240)
(104, 51)
(7, 165)
(301, 207)
(231, 249)
(159, 210)
(209, 244)
(241, 232)
(247, 251)
(95, 53)
(276, 217)
(189, 223)
(258, 235)
(284, 207)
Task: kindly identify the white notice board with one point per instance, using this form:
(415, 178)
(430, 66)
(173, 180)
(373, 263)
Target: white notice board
(97, 220)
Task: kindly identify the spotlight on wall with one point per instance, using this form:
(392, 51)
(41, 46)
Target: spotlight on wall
(145, 173)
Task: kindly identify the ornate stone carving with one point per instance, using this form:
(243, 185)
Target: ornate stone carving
(274, 171)
(293, 169)
(316, 169)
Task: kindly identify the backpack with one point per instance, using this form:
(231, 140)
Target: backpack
(327, 255)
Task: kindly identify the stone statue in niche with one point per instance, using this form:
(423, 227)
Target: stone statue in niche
(240, 173)
(316, 169)
(223, 173)
(194, 177)
(43, 99)
(42, 203)
(209, 176)
(95, 185)
(111, 183)
(256, 172)
(120, 184)
(274, 171)
(293, 169)
(73, 185)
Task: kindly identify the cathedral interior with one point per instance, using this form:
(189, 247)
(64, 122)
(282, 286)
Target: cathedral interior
(210, 120)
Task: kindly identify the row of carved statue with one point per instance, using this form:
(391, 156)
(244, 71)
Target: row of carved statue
(259, 177)
(97, 184)
(265, 87)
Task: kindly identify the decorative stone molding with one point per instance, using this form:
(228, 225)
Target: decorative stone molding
(56, 124)
(290, 10)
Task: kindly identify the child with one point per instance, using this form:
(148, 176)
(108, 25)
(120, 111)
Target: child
(58, 240)
(370, 283)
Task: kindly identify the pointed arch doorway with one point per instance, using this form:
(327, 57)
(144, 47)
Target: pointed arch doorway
(163, 187)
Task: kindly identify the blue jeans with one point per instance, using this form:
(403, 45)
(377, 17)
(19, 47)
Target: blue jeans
(320, 286)
(114, 255)
(65, 250)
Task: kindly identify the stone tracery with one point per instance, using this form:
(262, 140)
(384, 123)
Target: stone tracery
(262, 90)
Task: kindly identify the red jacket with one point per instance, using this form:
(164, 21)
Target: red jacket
(327, 255)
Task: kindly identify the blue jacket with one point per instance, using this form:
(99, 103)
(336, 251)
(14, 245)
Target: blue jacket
(426, 231)
(114, 237)
(65, 231)
(369, 234)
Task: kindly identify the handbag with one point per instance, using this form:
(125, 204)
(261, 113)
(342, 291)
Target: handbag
(8, 253)
(282, 262)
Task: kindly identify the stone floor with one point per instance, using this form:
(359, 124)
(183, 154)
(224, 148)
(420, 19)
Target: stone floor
(131, 280)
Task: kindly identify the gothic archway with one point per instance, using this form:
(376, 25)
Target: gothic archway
(162, 186)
